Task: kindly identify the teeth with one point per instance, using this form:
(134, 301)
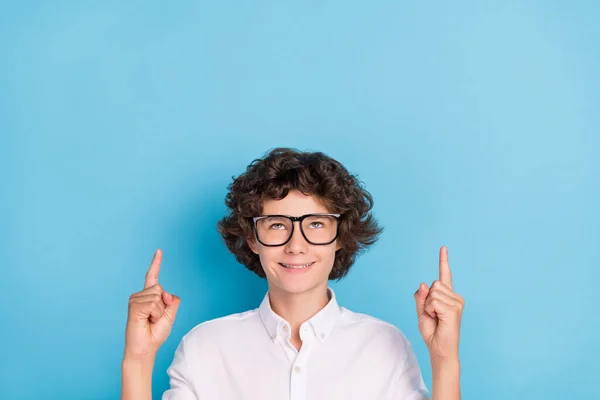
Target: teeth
(297, 266)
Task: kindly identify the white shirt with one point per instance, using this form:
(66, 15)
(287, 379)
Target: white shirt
(249, 356)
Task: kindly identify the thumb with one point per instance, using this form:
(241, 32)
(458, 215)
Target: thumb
(420, 297)
(172, 304)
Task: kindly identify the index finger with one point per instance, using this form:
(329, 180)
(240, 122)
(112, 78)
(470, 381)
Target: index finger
(152, 274)
(445, 274)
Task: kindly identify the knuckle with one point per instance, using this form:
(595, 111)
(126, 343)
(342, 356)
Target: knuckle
(154, 306)
(154, 289)
(156, 298)
(157, 288)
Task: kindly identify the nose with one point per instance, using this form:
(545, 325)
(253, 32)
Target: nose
(297, 244)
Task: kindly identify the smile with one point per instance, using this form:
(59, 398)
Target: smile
(296, 266)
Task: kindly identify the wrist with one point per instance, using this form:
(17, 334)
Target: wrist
(447, 358)
(445, 379)
(136, 378)
(137, 370)
(138, 361)
(444, 363)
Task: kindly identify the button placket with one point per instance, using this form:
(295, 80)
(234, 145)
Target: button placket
(299, 370)
(298, 381)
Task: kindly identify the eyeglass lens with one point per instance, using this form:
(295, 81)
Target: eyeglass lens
(319, 229)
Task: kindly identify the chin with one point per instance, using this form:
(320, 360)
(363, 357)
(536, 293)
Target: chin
(298, 284)
(297, 288)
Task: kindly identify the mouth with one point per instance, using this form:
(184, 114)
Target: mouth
(296, 267)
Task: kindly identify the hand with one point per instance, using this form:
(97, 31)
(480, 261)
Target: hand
(151, 315)
(439, 310)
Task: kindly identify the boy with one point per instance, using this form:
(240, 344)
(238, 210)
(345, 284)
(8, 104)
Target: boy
(297, 219)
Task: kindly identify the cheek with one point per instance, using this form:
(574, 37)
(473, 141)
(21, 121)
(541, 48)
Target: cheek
(268, 255)
(327, 256)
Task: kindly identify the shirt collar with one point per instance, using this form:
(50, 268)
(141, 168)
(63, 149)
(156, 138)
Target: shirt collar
(322, 322)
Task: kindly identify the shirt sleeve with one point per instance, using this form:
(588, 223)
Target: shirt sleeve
(179, 376)
(410, 384)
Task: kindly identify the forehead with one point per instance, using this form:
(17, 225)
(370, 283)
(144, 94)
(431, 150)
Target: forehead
(295, 204)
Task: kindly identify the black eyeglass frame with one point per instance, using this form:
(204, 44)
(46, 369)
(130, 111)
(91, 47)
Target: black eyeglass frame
(299, 219)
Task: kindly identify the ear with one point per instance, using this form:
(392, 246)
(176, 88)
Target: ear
(252, 244)
(337, 245)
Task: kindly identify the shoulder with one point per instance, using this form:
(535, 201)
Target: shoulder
(207, 340)
(222, 329)
(379, 333)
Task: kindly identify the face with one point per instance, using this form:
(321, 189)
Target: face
(297, 251)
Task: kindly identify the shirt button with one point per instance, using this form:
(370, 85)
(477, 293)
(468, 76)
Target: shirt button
(322, 336)
(297, 369)
(285, 328)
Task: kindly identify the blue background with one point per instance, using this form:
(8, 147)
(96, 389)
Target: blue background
(473, 124)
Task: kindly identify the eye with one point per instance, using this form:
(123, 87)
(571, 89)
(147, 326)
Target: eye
(277, 226)
(316, 224)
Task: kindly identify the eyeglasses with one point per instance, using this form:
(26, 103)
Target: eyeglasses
(277, 230)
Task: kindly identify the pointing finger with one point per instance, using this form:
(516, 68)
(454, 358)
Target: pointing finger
(445, 274)
(152, 274)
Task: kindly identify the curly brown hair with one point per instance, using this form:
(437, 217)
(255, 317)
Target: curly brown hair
(312, 173)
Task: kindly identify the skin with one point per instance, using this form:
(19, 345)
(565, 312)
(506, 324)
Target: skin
(439, 311)
(150, 318)
(296, 297)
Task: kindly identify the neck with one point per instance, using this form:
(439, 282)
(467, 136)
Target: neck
(298, 308)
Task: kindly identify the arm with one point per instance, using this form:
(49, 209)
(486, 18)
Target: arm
(180, 371)
(445, 380)
(150, 316)
(136, 379)
(439, 310)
